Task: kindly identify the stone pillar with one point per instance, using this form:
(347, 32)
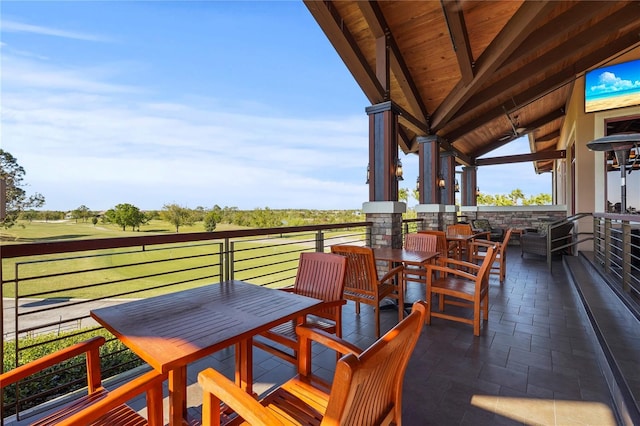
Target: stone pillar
(387, 222)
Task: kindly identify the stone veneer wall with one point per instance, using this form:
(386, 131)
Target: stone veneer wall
(516, 216)
(386, 230)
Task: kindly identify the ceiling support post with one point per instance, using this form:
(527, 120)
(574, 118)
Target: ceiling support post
(429, 169)
(469, 186)
(448, 170)
(383, 152)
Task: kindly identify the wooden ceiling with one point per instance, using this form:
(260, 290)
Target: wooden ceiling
(479, 74)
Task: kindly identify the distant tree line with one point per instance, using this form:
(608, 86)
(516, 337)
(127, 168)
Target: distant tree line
(128, 216)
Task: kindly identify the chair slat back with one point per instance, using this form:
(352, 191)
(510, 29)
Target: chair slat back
(421, 242)
(321, 276)
(361, 275)
(460, 229)
(442, 246)
(367, 389)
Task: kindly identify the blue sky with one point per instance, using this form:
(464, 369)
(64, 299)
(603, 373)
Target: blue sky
(240, 104)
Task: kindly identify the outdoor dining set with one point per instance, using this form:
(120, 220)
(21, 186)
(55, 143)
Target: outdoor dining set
(173, 330)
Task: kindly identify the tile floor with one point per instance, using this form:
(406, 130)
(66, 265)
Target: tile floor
(532, 364)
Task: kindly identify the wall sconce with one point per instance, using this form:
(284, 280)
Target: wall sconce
(399, 170)
(418, 184)
(457, 186)
(477, 191)
(441, 182)
(368, 172)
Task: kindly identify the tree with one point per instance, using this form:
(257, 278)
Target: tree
(81, 212)
(16, 197)
(126, 215)
(176, 215)
(210, 221)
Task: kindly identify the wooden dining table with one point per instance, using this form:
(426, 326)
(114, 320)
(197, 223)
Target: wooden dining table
(175, 329)
(462, 240)
(397, 256)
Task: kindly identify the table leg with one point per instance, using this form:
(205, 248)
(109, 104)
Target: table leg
(177, 396)
(244, 365)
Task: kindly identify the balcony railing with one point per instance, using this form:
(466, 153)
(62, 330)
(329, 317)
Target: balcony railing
(47, 289)
(617, 250)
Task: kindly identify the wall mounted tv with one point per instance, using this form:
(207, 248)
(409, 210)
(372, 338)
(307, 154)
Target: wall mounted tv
(613, 86)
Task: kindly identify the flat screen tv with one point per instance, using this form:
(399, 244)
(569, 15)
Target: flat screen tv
(613, 86)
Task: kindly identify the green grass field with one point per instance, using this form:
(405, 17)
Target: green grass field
(75, 276)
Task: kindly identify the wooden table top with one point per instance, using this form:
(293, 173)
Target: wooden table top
(404, 256)
(172, 330)
(461, 237)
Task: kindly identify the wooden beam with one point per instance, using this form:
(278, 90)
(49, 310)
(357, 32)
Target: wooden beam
(582, 42)
(537, 91)
(379, 28)
(548, 137)
(329, 20)
(452, 10)
(529, 127)
(521, 158)
(515, 32)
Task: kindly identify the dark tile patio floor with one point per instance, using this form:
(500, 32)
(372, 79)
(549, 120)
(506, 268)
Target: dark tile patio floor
(534, 362)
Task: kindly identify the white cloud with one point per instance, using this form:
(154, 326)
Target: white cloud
(609, 82)
(19, 27)
(83, 140)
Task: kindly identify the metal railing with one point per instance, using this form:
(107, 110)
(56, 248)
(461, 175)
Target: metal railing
(47, 289)
(564, 242)
(616, 248)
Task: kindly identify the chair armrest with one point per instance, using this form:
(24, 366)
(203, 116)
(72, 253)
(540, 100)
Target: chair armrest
(329, 340)
(458, 272)
(91, 347)
(393, 272)
(149, 382)
(458, 263)
(288, 289)
(218, 388)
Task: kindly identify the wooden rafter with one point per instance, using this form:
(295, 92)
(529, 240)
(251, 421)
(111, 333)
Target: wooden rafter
(583, 42)
(379, 28)
(529, 127)
(517, 30)
(521, 158)
(550, 83)
(459, 38)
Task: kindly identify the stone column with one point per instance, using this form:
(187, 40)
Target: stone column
(387, 222)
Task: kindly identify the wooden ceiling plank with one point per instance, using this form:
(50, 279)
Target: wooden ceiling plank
(549, 84)
(559, 26)
(345, 45)
(583, 42)
(459, 38)
(515, 32)
(548, 137)
(378, 26)
(521, 158)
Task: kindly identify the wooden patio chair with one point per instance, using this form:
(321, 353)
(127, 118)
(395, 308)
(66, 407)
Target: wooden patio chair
(499, 266)
(321, 276)
(460, 229)
(98, 406)
(362, 284)
(444, 247)
(463, 284)
(418, 242)
(366, 388)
